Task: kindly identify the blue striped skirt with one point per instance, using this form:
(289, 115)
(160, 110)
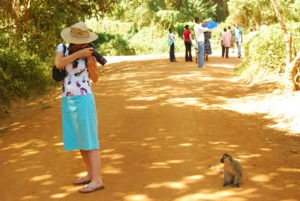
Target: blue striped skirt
(80, 124)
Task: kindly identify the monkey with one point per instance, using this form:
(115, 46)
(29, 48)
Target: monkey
(232, 171)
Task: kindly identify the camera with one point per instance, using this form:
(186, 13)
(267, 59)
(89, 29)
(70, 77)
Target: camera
(100, 59)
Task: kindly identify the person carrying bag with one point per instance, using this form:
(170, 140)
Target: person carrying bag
(79, 115)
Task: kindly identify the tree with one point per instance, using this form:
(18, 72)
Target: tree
(291, 69)
(36, 24)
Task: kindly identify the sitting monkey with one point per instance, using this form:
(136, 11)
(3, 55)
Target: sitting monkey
(232, 171)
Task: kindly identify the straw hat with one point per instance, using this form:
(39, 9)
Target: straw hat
(78, 34)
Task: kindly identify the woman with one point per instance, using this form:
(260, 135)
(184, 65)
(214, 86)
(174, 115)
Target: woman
(207, 46)
(187, 38)
(172, 45)
(79, 117)
(225, 43)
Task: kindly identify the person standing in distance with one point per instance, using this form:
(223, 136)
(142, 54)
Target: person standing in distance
(187, 38)
(225, 43)
(172, 45)
(207, 46)
(238, 35)
(199, 34)
(79, 116)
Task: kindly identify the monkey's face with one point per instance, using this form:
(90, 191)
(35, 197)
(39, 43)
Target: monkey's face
(225, 156)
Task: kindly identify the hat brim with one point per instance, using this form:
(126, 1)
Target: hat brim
(65, 34)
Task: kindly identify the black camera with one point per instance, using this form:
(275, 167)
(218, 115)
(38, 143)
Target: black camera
(100, 59)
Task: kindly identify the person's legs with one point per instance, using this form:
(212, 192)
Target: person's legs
(172, 53)
(223, 51)
(189, 47)
(227, 51)
(200, 54)
(238, 44)
(186, 51)
(93, 164)
(85, 158)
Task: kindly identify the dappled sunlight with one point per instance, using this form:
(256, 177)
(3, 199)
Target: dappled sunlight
(185, 144)
(11, 125)
(183, 184)
(137, 197)
(137, 107)
(290, 170)
(48, 183)
(162, 131)
(59, 195)
(249, 156)
(165, 164)
(261, 178)
(109, 169)
(28, 152)
(184, 101)
(113, 156)
(41, 177)
(169, 185)
(145, 98)
(232, 195)
(59, 144)
(285, 118)
(145, 87)
(29, 197)
(221, 65)
(66, 191)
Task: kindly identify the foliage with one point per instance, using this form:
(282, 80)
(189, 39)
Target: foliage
(197, 8)
(22, 75)
(146, 42)
(36, 24)
(126, 39)
(166, 18)
(264, 52)
(29, 32)
(252, 13)
(117, 46)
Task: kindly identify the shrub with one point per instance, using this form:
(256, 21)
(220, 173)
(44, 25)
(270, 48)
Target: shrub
(263, 53)
(22, 75)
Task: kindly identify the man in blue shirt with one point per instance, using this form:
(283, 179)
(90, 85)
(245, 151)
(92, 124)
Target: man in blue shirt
(238, 39)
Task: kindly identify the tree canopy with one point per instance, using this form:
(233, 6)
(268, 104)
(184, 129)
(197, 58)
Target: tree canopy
(36, 23)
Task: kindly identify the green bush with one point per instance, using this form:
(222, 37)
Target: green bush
(263, 53)
(22, 75)
(116, 46)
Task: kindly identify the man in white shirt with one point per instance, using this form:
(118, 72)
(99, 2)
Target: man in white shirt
(199, 34)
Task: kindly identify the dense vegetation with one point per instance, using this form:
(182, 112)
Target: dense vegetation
(30, 30)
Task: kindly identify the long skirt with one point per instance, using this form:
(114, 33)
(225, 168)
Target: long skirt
(80, 125)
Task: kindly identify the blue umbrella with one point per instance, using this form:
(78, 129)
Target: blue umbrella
(210, 24)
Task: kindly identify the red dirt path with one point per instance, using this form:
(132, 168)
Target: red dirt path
(163, 129)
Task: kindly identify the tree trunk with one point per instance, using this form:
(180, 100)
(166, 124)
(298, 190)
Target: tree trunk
(290, 70)
(295, 72)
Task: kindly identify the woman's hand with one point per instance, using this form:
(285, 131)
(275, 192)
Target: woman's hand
(85, 52)
(61, 60)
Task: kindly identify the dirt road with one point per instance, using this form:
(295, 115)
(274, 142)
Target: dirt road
(163, 128)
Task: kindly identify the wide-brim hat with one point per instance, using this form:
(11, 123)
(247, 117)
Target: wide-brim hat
(78, 34)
